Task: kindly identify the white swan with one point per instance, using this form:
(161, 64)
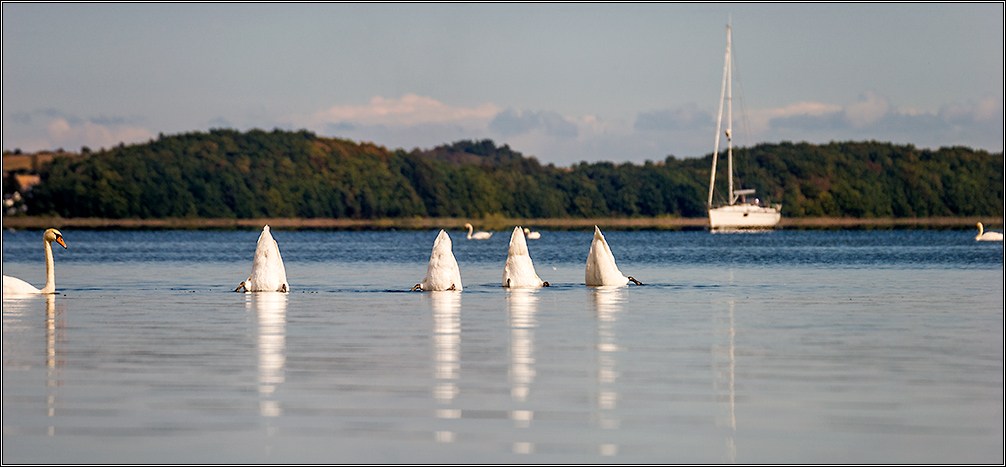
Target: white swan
(15, 286)
(268, 273)
(442, 273)
(601, 269)
(477, 235)
(531, 235)
(519, 270)
(989, 236)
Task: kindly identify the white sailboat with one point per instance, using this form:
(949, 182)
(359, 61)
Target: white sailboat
(738, 212)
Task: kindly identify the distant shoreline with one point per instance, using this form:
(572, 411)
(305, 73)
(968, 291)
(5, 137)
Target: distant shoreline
(497, 224)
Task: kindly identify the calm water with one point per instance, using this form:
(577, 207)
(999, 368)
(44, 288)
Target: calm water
(787, 346)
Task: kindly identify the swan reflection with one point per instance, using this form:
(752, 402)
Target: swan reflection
(522, 304)
(54, 333)
(270, 308)
(22, 318)
(447, 351)
(607, 303)
(21, 321)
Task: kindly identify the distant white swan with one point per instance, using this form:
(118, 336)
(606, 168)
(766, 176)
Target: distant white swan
(531, 235)
(601, 269)
(519, 270)
(442, 273)
(15, 286)
(989, 236)
(477, 235)
(268, 273)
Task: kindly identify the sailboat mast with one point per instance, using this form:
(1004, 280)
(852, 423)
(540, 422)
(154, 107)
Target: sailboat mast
(719, 122)
(730, 123)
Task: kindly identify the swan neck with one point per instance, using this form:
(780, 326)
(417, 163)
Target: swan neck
(50, 271)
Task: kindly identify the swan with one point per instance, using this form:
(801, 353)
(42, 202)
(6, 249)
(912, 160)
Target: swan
(519, 270)
(531, 235)
(477, 235)
(601, 269)
(442, 273)
(268, 273)
(15, 286)
(989, 236)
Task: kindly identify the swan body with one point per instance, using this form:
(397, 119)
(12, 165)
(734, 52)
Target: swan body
(15, 286)
(601, 268)
(989, 236)
(268, 273)
(519, 270)
(442, 273)
(477, 235)
(531, 235)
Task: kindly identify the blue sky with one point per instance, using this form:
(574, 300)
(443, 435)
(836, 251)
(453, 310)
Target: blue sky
(564, 82)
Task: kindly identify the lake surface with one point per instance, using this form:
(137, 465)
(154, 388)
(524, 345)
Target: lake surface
(775, 347)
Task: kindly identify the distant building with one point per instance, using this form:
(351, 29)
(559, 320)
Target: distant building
(26, 181)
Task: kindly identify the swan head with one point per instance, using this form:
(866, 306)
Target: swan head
(53, 235)
(981, 228)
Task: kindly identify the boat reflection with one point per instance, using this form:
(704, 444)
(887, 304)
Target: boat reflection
(522, 304)
(270, 310)
(447, 362)
(607, 303)
(723, 383)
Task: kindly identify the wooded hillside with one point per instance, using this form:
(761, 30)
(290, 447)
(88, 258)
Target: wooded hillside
(255, 174)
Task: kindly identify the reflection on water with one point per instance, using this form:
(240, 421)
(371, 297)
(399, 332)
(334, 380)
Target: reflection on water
(447, 358)
(22, 316)
(55, 332)
(522, 305)
(270, 308)
(820, 354)
(724, 362)
(608, 303)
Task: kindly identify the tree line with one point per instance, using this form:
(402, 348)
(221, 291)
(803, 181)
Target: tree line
(230, 174)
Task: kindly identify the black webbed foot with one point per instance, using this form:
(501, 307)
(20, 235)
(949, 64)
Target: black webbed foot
(635, 281)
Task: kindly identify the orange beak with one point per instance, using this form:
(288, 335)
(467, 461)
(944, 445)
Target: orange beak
(60, 240)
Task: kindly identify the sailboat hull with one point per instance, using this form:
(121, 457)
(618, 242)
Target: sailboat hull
(743, 216)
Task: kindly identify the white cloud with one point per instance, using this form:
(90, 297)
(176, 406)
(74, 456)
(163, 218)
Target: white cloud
(760, 120)
(510, 122)
(50, 129)
(681, 118)
(407, 110)
(62, 134)
(413, 121)
(986, 110)
(867, 111)
(416, 121)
